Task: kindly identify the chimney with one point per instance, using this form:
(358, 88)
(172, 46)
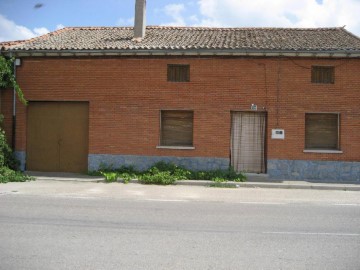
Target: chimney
(140, 19)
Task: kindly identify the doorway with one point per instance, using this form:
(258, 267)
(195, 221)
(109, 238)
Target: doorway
(248, 131)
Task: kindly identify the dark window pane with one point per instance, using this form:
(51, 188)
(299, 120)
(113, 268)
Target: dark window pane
(178, 73)
(322, 74)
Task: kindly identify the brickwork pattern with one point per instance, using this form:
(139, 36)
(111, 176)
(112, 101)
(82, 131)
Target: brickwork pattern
(126, 95)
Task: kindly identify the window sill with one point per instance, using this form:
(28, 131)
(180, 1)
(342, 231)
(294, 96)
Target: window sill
(324, 151)
(176, 147)
(178, 81)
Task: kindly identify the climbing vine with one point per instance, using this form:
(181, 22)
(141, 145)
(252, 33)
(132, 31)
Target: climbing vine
(9, 165)
(7, 77)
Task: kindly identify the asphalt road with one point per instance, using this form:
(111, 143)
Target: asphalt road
(97, 226)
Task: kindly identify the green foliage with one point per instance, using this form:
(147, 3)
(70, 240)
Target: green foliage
(8, 175)
(5, 72)
(94, 173)
(110, 176)
(8, 163)
(127, 170)
(163, 173)
(156, 177)
(176, 172)
(219, 180)
(7, 78)
(219, 175)
(126, 177)
(123, 173)
(7, 158)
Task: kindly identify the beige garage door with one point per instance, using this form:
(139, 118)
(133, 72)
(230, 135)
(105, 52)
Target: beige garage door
(57, 136)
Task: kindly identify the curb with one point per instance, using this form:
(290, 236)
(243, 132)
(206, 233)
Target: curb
(306, 186)
(344, 187)
(230, 184)
(63, 179)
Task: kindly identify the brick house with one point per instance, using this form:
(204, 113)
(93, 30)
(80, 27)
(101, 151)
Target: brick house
(280, 101)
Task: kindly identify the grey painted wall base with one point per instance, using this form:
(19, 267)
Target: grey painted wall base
(336, 171)
(145, 162)
(21, 157)
(322, 171)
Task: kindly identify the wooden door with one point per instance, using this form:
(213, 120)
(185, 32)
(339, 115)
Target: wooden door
(57, 136)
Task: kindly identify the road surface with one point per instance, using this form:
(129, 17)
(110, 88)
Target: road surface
(69, 225)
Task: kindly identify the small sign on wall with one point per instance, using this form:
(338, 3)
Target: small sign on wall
(278, 134)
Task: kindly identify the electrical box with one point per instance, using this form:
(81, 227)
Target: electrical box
(253, 107)
(278, 134)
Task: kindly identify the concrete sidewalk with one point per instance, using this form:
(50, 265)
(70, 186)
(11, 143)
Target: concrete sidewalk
(254, 181)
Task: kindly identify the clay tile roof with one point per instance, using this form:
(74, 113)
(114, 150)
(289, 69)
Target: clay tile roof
(194, 38)
(9, 44)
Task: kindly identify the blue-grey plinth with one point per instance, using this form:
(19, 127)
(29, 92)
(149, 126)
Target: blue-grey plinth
(96, 161)
(336, 171)
(21, 157)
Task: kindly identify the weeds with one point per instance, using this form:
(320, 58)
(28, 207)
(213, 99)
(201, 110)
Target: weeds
(9, 175)
(163, 173)
(9, 165)
(157, 177)
(126, 177)
(109, 176)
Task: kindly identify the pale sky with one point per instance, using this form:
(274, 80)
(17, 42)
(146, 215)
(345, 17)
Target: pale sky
(22, 19)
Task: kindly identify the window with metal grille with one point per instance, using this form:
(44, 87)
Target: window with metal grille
(321, 74)
(176, 128)
(322, 131)
(178, 73)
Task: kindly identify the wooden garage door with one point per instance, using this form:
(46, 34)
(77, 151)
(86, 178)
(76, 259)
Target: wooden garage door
(57, 136)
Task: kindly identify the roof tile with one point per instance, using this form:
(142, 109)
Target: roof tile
(193, 38)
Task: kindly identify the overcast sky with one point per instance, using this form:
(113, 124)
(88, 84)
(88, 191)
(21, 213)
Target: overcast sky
(22, 19)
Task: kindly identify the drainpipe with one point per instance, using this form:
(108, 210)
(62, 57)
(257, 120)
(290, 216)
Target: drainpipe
(13, 133)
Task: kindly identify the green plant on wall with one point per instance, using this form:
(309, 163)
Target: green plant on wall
(8, 163)
(7, 77)
(7, 158)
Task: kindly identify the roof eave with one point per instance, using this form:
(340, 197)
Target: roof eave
(186, 52)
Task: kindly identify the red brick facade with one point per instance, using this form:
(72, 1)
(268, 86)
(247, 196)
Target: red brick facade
(127, 94)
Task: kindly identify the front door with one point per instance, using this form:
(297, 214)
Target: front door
(248, 141)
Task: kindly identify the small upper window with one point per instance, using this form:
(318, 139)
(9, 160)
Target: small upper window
(321, 74)
(178, 73)
(322, 131)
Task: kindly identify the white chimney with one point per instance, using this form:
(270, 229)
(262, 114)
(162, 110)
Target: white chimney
(140, 19)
